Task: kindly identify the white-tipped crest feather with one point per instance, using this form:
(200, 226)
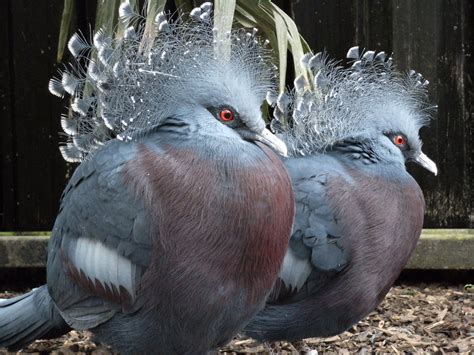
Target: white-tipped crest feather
(127, 91)
(371, 95)
(101, 39)
(77, 45)
(300, 83)
(271, 98)
(126, 11)
(130, 33)
(353, 53)
(206, 7)
(56, 87)
(71, 153)
(196, 13)
(82, 106)
(69, 125)
(70, 83)
(160, 17)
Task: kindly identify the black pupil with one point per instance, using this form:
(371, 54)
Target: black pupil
(227, 115)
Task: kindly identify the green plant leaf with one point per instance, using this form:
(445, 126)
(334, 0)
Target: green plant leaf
(243, 17)
(153, 8)
(279, 28)
(223, 20)
(294, 39)
(65, 27)
(106, 15)
(258, 13)
(282, 45)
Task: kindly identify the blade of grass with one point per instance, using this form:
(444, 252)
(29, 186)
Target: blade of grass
(293, 36)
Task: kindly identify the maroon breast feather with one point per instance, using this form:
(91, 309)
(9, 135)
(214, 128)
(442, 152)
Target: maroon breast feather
(383, 220)
(220, 228)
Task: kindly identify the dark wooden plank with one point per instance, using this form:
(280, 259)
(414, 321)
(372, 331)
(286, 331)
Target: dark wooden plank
(373, 19)
(39, 166)
(85, 16)
(416, 33)
(468, 74)
(338, 25)
(326, 24)
(429, 36)
(7, 156)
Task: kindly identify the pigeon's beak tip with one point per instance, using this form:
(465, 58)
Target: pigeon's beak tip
(423, 160)
(271, 140)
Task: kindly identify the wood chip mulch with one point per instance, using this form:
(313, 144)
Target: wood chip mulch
(433, 318)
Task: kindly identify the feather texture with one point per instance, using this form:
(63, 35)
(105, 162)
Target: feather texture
(101, 264)
(130, 89)
(346, 102)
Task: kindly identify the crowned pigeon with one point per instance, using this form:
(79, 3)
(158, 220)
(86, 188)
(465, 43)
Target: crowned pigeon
(359, 213)
(172, 231)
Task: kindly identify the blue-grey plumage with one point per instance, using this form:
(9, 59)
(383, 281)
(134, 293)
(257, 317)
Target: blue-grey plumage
(157, 247)
(359, 213)
(30, 316)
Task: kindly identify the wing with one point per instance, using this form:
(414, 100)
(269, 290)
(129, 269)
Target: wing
(101, 244)
(317, 251)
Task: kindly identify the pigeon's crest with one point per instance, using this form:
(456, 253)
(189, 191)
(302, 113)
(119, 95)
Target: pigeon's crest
(131, 83)
(340, 103)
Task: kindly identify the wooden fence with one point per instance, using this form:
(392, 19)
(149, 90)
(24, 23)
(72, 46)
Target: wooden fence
(434, 37)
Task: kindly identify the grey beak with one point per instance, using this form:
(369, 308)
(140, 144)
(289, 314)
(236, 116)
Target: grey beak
(423, 160)
(268, 138)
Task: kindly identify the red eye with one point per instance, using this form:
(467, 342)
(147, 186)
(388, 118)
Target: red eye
(226, 115)
(399, 140)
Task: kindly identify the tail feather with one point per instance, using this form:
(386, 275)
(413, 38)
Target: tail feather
(29, 317)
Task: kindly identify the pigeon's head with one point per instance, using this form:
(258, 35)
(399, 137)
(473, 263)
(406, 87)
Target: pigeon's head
(369, 104)
(397, 132)
(180, 73)
(220, 89)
